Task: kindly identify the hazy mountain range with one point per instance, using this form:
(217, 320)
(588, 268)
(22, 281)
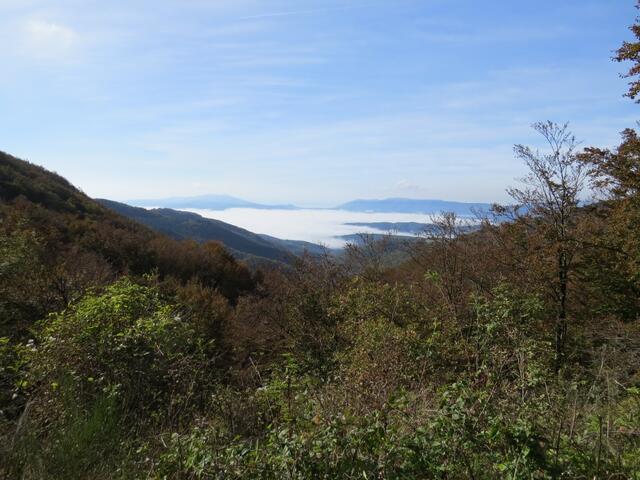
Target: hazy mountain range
(208, 202)
(387, 205)
(413, 205)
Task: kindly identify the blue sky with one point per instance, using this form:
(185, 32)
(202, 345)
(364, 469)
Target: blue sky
(311, 102)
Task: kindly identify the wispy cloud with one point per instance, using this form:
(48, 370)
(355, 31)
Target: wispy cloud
(307, 12)
(495, 34)
(48, 39)
(315, 98)
(46, 35)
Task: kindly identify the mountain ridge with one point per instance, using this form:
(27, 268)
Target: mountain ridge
(413, 205)
(373, 205)
(209, 201)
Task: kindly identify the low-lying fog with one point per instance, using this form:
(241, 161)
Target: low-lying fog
(317, 226)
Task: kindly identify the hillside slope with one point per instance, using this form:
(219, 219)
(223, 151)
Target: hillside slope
(73, 243)
(186, 225)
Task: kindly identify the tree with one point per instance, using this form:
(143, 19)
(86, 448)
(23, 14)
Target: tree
(368, 255)
(630, 51)
(550, 197)
(444, 259)
(615, 174)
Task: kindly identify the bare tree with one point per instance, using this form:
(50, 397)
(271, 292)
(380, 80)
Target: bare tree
(367, 255)
(443, 256)
(550, 196)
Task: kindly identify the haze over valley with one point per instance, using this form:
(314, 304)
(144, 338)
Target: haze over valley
(329, 227)
(318, 226)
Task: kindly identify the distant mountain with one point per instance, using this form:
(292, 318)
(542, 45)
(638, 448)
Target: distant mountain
(186, 225)
(411, 228)
(394, 242)
(388, 205)
(410, 205)
(209, 202)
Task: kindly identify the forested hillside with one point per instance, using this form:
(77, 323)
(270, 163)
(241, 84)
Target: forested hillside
(191, 226)
(510, 351)
(57, 243)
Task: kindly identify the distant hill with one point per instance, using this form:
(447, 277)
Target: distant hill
(387, 205)
(186, 225)
(410, 205)
(411, 228)
(208, 202)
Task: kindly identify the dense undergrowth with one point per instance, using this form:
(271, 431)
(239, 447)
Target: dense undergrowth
(352, 378)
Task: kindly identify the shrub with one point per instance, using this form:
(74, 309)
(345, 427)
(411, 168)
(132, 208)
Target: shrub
(128, 341)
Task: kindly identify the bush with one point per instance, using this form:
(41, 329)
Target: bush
(127, 341)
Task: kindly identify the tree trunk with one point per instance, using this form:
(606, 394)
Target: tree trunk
(561, 320)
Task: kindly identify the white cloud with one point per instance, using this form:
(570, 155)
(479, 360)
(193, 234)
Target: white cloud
(49, 40)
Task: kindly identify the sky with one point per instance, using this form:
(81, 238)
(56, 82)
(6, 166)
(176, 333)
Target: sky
(313, 102)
